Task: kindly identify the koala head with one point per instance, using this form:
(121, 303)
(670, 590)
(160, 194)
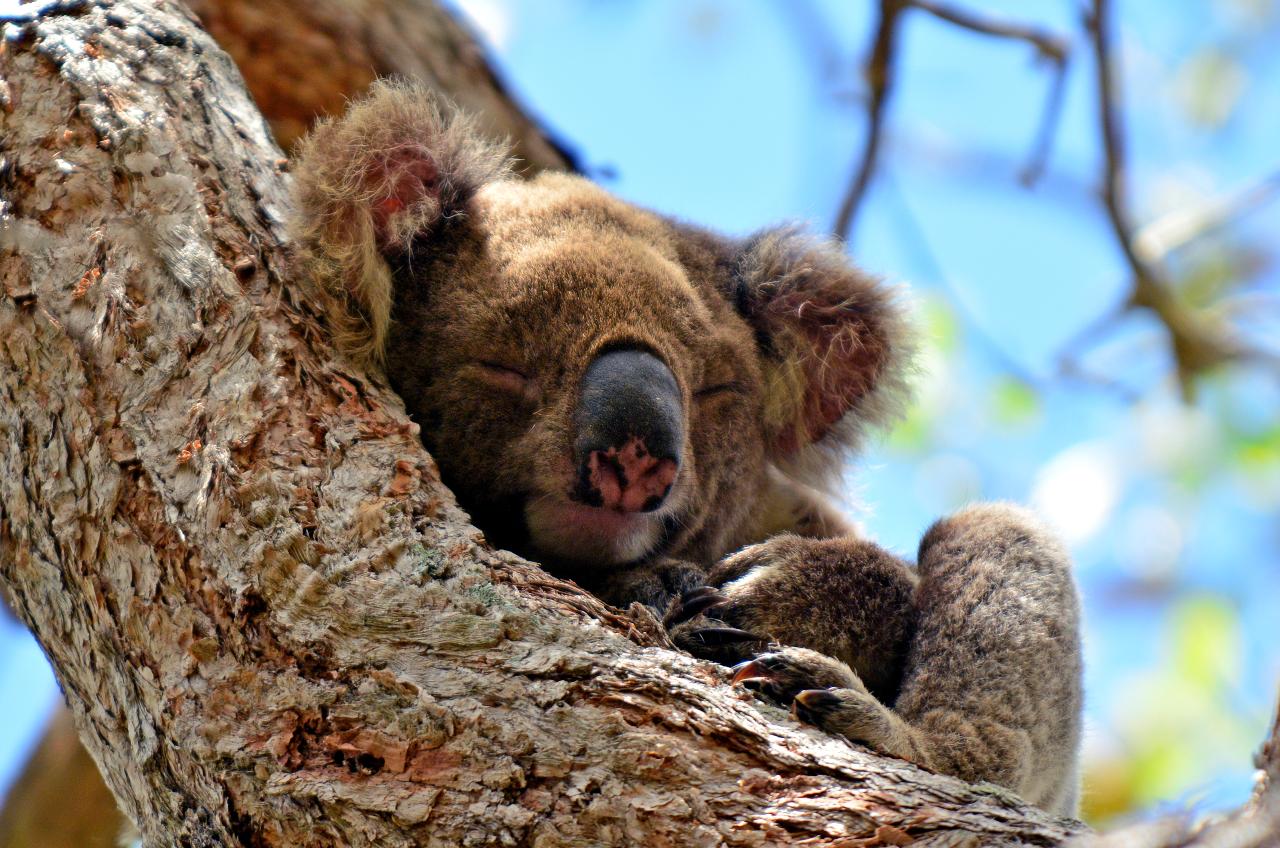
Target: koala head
(600, 385)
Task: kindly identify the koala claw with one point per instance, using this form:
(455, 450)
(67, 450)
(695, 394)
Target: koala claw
(758, 676)
(784, 672)
(810, 705)
(858, 717)
(717, 637)
(693, 602)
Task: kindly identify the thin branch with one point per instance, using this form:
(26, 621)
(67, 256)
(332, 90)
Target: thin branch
(1199, 343)
(1049, 46)
(880, 75)
(1156, 240)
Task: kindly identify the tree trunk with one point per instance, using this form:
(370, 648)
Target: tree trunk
(271, 622)
(300, 60)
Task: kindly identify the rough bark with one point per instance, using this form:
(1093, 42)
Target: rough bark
(272, 624)
(306, 58)
(300, 60)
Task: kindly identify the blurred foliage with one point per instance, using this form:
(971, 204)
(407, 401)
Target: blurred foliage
(1178, 721)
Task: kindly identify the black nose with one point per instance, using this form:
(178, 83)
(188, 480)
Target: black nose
(629, 428)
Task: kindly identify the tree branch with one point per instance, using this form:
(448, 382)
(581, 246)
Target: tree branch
(1049, 47)
(302, 60)
(880, 73)
(1199, 341)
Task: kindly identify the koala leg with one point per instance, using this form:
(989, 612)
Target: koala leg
(992, 689)
(844, 598)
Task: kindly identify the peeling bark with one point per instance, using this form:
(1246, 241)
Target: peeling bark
(271, 622)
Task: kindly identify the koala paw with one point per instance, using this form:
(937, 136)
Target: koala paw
(784, 673)
(825, 693)
(700, 622)
(855, 715)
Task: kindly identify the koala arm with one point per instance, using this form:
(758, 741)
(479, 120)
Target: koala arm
(991, 674)
(846, 598)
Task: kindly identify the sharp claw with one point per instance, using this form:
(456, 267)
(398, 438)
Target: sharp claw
(688, 609)
(717, 636)
(818, 698)
(811, 701)
(748, 671)
(698, 593)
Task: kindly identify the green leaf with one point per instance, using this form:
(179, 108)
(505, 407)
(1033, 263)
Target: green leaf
(1014, 402)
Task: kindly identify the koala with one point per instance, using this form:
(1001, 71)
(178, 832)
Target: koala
(653, 410)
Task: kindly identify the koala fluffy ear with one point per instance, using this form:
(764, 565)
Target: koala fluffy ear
(370, 185)
(834, 342)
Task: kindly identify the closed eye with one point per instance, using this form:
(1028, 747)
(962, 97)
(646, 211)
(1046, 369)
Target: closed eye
(718, 389)
(504, 377)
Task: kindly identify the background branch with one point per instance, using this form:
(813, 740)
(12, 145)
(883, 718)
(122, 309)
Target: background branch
(880, 73)
(1200, 342)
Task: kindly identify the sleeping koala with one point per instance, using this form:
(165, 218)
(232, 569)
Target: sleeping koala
(651, 409)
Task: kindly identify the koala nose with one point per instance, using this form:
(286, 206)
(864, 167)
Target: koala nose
(629, 428)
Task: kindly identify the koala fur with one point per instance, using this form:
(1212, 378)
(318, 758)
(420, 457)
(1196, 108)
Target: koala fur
(652, 410)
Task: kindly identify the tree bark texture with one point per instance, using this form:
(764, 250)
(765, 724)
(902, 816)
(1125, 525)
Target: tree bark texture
(271, 622)
(305, 58)
(300, 61)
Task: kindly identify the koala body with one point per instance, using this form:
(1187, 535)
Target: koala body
(651, 409)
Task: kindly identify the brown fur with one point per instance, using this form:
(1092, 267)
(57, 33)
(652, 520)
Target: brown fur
(488, 297)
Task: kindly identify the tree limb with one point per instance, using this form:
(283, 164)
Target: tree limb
(1050, 47)
(302, 60)
(880, 72)
(1199, 341)
(270, 620)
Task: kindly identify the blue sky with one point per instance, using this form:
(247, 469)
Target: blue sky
(741, 114)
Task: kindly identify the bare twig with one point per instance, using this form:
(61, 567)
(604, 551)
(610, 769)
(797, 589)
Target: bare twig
(1199, 342)
(1156, 240)
(879, 74)
(1049, 47)
(880, 78)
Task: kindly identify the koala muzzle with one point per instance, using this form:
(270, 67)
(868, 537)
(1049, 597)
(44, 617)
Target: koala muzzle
(629, 429)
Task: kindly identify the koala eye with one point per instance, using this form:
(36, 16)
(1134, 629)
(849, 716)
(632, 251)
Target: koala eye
(504, 377)
(719, 389)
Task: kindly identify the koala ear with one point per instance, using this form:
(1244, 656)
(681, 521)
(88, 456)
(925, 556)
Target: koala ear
(834, 342)
(373, 184)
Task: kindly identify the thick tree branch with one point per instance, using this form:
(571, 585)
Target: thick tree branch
(59, 799)
(271, 623)
(303, 59)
